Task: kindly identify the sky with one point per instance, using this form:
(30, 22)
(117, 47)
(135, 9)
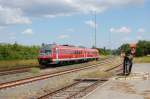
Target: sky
(33, 22)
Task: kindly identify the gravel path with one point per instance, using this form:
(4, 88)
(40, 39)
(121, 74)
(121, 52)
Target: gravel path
(135, 86)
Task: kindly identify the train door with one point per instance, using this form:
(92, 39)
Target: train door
(57, 55)
(85, 54)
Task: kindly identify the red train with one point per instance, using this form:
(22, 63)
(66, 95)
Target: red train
(54, 54)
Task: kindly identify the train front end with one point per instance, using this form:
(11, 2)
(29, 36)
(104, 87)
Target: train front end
(45, 55)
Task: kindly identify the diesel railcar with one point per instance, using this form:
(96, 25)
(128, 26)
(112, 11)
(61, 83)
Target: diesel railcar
(55, 54)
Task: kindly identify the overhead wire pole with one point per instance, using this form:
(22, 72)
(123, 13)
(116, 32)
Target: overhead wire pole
(95, 27)
(110, 42)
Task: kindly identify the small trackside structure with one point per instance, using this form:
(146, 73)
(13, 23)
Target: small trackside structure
(57, 54)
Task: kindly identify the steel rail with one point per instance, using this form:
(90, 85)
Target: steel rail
(81, 92)
(44, 76)
(15, 71)
(24, 69)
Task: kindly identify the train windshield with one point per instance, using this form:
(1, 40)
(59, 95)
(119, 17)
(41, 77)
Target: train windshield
(45, 50)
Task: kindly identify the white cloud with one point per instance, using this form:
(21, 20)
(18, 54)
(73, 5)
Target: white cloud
(10, 16)
(91, 23)
(141, 30)
(120, 30)
(129, 40)
(20, 11)
(2, 27)
(70, 30)
(12, 37)
(64, 36)
(139, 37)
(28, 32)
(11, 34)
(126, 39)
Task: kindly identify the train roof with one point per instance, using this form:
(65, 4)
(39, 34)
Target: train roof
(75, 47)
(69, 46)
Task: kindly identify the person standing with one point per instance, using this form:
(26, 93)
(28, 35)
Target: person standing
(128, 60)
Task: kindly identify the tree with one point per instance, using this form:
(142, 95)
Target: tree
(142, 48)
(125, 48)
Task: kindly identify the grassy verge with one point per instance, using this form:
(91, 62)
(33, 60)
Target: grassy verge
(99, 73)
(104, 56)
(34, 70)
(95, 74)
(145, 59)
(8, 64)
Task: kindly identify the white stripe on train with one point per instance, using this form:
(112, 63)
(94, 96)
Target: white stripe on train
(68, 59)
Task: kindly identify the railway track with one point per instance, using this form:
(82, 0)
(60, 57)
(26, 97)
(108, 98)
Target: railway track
(22, 69)
(45, 76)
(76, 90)
(79, 88)
(15, 70)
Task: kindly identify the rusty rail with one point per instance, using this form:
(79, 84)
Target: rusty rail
(80, 93)
(15, 71)
(44, 76)
(78, 90)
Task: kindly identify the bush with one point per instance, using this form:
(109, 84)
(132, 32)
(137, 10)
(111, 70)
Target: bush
(16, 51)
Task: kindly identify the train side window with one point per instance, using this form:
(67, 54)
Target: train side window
(54, 51)
(63, 51)
(75, 52)
(66, 52)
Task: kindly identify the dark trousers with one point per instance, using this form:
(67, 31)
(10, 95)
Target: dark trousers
(127, 66)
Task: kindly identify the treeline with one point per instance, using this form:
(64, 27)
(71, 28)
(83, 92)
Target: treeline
(104, 51)
(16, 51)
(142, 48)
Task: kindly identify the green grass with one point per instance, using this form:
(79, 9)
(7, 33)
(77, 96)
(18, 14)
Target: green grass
(34, 70)
(95, 74)
(8, 64)
(145, 59)
(104, 56)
